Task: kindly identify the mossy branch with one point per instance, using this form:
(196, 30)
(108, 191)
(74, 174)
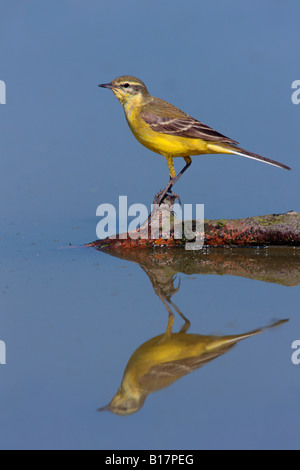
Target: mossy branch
(266, 230)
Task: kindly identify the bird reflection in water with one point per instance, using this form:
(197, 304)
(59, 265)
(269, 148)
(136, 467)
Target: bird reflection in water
(162, 360)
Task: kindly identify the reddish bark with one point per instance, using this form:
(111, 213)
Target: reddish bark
(267, 230)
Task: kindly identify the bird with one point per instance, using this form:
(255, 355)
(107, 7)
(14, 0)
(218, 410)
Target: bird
(162, 360)
(170, 132)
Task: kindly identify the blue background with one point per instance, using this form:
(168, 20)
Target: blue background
(71, 317)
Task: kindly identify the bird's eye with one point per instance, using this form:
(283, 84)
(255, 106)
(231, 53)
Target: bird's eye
(126, 85)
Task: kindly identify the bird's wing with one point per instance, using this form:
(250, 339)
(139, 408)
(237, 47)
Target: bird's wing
(162, 375)
(167, 119)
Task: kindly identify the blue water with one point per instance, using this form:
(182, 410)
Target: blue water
(71, 317)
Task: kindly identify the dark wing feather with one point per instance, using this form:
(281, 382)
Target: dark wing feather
(184, 127)
(165, 118)
(163, 375)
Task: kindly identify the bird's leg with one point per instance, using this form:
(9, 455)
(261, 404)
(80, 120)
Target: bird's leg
(176, 178)
(173, 179)
(187, 322)
(162, 194)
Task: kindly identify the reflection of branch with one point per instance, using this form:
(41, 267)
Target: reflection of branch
(163, 285)
(280, 265)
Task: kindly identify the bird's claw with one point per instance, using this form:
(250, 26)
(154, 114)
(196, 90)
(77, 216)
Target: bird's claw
(160, 196)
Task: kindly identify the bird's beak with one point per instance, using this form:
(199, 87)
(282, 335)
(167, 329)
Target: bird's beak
(107, 407)
(106, 85)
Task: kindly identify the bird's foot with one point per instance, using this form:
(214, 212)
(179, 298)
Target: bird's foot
(160, 196)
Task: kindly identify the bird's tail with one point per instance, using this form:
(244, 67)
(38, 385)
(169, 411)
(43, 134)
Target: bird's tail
(233, 149)
(233, 339)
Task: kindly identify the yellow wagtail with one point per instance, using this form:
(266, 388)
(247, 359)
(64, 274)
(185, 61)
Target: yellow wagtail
(167, 130)
(162, 360)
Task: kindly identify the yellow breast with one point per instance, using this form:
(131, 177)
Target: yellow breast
(164, 144)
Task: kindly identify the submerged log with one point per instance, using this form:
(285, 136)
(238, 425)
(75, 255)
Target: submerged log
(266, 230)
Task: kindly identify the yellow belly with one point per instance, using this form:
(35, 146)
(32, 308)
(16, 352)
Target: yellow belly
(165, 144)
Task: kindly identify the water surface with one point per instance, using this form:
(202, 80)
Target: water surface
(73, 317)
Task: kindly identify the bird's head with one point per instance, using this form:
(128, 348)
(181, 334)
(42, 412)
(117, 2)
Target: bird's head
(125, 402)
(127, 88)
